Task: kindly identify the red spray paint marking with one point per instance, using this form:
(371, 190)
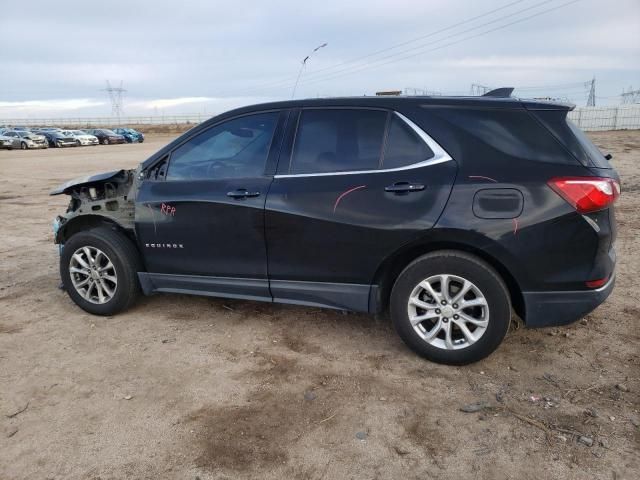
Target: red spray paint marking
(344, 194)
(484, 178)
(167, 210)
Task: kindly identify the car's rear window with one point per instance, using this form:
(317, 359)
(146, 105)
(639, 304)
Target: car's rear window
(593, 152)
(572, 137)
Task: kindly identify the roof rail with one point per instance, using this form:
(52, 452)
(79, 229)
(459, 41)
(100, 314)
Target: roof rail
(503, 92)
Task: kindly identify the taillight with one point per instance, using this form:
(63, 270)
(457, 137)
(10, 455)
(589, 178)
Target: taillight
(586, 194)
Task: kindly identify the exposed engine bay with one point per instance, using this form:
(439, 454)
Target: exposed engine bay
(108, 196)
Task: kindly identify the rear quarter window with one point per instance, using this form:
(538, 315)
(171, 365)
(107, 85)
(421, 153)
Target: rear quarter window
(508, 132)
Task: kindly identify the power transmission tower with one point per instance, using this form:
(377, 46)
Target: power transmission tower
(115, 95)
(478, 90)
(418, 92)
(630, 96)
(591, 100)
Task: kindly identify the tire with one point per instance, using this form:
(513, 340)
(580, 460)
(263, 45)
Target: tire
(486, 323)
(105, 141)
(24, 146)
(116, 248)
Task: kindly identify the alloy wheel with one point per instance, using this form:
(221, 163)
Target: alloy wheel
(448, 312)
(93, 275)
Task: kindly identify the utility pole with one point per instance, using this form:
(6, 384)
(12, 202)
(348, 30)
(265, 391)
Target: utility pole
(591, 100)
(115, 95)
(302, 67)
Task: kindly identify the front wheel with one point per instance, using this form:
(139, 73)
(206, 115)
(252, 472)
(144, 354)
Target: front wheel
(105, 141)
(99, 271)
(451, 307)
(23, 146)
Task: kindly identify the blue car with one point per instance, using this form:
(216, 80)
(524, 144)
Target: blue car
(130, 135)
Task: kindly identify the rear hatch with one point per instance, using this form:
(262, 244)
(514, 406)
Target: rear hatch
(554, 118)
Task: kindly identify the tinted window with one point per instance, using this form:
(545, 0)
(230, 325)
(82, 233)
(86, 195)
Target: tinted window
(589, 147)
(404, 146)
(237, 148)
(335, 140)
(503, 133)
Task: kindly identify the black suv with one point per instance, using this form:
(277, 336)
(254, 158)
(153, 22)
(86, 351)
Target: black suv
(449, 212)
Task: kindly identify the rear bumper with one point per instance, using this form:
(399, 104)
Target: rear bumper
(544, 309)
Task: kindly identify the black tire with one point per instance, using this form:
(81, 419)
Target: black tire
(124, 257)
(23, 146)
(471, 268)
(105, 141)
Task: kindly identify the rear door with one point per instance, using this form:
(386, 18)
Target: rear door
(353, 186)
(201, 211)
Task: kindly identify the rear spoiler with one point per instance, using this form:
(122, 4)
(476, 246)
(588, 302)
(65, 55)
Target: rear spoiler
(531, 104)
(503, 92)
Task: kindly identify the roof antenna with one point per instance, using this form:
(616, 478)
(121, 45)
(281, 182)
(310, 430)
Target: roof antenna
(304, 64)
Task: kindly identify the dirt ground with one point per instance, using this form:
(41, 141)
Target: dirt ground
(186, 388)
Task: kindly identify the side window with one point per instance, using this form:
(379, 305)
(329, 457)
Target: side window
(404, 146)
(338, 140)
(236, 148)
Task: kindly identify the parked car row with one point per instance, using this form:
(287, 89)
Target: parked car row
(44, 137)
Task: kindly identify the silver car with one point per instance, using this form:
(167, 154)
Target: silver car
(83, 138)
(5, 142)
(24, 139)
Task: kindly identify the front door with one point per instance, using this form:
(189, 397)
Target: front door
(200, 222)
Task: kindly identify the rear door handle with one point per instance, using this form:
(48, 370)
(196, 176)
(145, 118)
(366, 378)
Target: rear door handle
(404, 187)
(242, 193)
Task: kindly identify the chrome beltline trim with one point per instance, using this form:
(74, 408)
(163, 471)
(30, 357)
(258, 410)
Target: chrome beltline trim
(439, 156)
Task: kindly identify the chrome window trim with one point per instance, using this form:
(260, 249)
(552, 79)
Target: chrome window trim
(439, 156)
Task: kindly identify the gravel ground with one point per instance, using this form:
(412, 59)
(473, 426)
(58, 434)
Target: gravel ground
(185, 387)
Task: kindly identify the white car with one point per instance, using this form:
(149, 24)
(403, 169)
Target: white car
(83, 138)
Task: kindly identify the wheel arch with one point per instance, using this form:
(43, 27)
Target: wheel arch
(475, 244)
(82, 223)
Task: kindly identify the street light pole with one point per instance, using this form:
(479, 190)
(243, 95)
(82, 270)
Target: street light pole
(304, 64)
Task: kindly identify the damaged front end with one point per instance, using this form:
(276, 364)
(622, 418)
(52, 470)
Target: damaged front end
(96, 200)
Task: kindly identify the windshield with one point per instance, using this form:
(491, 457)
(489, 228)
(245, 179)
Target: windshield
(78, 132)
(108, 132)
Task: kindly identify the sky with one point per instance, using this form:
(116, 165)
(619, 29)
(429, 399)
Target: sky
(206, 57)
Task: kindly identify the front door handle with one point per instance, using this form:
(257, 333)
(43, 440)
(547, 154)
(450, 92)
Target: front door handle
(404, 187)
(242, 193)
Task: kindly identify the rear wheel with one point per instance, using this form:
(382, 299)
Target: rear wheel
(105, 141)
(99, 271)
(450, 307)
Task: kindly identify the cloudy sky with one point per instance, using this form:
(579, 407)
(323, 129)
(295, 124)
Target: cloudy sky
(205, 57)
